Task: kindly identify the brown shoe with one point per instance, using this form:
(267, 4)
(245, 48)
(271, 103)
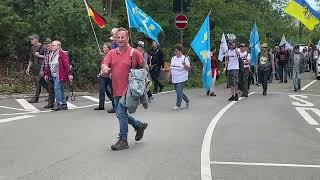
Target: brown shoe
(140, 131)
(121, 144)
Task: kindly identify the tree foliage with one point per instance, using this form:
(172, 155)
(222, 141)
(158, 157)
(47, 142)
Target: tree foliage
(67, 21)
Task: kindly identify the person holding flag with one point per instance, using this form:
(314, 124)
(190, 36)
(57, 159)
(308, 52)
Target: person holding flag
(201, 46)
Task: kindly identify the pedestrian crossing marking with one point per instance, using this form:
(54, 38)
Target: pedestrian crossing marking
(91, 98)
(26, 105)
(71, 106)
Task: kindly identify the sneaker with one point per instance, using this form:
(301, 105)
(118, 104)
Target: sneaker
(285, 81)
(187, 105)
(34, 100)
(111, 110)
(98, 109)
(64, 107)
(231, 98)
(208, 92)
(176, 108)
(299, 87)
(48, 106)
(258, 84)
(56, 108)
(295, 90)
(140, 131)
(212, 94)
(121, 144)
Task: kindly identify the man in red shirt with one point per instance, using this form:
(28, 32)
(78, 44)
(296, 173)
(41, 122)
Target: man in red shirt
(118, 62)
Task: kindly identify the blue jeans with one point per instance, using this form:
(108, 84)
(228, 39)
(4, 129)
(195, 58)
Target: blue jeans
(104, 83)
(59, 91)
(296, 77)
(124, 118)
(180, 94)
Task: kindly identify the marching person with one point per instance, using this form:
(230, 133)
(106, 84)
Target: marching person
(156, 64)
(232, 62)
(245, 57)
(215, 73)
(58, 70)
(36, 64)
(265, 66)
(105, 84)
(297, 64)
(118, 62)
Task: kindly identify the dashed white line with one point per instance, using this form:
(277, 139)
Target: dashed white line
(264, 164)
(309, 84)
(26, 105)
(15, 118)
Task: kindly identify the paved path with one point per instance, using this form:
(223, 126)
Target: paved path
(272, 137)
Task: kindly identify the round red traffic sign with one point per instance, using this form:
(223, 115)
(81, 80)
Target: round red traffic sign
(181, 21)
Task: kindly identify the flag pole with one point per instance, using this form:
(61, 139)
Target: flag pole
(128, 22)
(94, 33)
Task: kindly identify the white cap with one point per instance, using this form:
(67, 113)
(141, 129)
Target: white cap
(141, 43)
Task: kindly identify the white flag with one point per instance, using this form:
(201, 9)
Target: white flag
(223, 47)
(285, 42)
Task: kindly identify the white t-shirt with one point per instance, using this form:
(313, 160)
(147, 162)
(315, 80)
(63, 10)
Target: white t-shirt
(246, 58)
(233, 60)
(178, 72)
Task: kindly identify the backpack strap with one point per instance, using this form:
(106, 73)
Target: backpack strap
(131, 53)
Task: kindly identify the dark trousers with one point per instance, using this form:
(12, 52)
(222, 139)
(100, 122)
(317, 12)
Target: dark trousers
(105, 87)
(40, 82)
(283, 71)
(264, 75)
(155, 73)
(245, 80)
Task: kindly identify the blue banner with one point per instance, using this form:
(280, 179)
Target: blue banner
(254, 44)
(141, 21)
(201, 46)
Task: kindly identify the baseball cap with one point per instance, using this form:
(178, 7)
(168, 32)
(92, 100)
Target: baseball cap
(242, 45)
(141, 43)
(34, 36)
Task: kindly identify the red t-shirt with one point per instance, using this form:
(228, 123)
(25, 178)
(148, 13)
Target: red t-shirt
(120, 64)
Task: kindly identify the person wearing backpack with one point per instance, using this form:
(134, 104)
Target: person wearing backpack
(265, 66)
(282, 58)
(179, 67)
(232, 62)
(119, 62)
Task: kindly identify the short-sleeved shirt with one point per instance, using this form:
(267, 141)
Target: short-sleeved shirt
(233, 60)
(120, 64)
(178, 72)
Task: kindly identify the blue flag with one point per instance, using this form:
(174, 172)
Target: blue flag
(201, 46)
(141, 21)
(254, 44)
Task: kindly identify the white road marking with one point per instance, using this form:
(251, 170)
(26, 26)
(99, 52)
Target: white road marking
(306, 116)
(305, 103)
(26, 105)
(5, 107)
(293, 94)
(306, 86)
(15, 118)
(72, 106)
(264, 164)
(318, 129)
(205, 150)
(91, 98)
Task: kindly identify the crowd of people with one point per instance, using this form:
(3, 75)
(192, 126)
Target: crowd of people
(126, 88)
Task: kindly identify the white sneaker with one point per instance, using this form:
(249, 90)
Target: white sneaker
(176, 108)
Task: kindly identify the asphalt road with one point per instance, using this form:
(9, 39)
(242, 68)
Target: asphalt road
(273, 137)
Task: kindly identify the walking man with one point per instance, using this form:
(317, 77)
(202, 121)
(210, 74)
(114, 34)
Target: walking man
(156, 63)
(282, 58)
(265, 66)
(105, 85)
(245, 56)
(36, 64)
(58, 70)
(118, 62)
(232, 62)
(297, 64)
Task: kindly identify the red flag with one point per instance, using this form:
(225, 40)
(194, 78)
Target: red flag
(100, 21)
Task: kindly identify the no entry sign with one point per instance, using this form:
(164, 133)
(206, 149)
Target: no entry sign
(181, 21)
